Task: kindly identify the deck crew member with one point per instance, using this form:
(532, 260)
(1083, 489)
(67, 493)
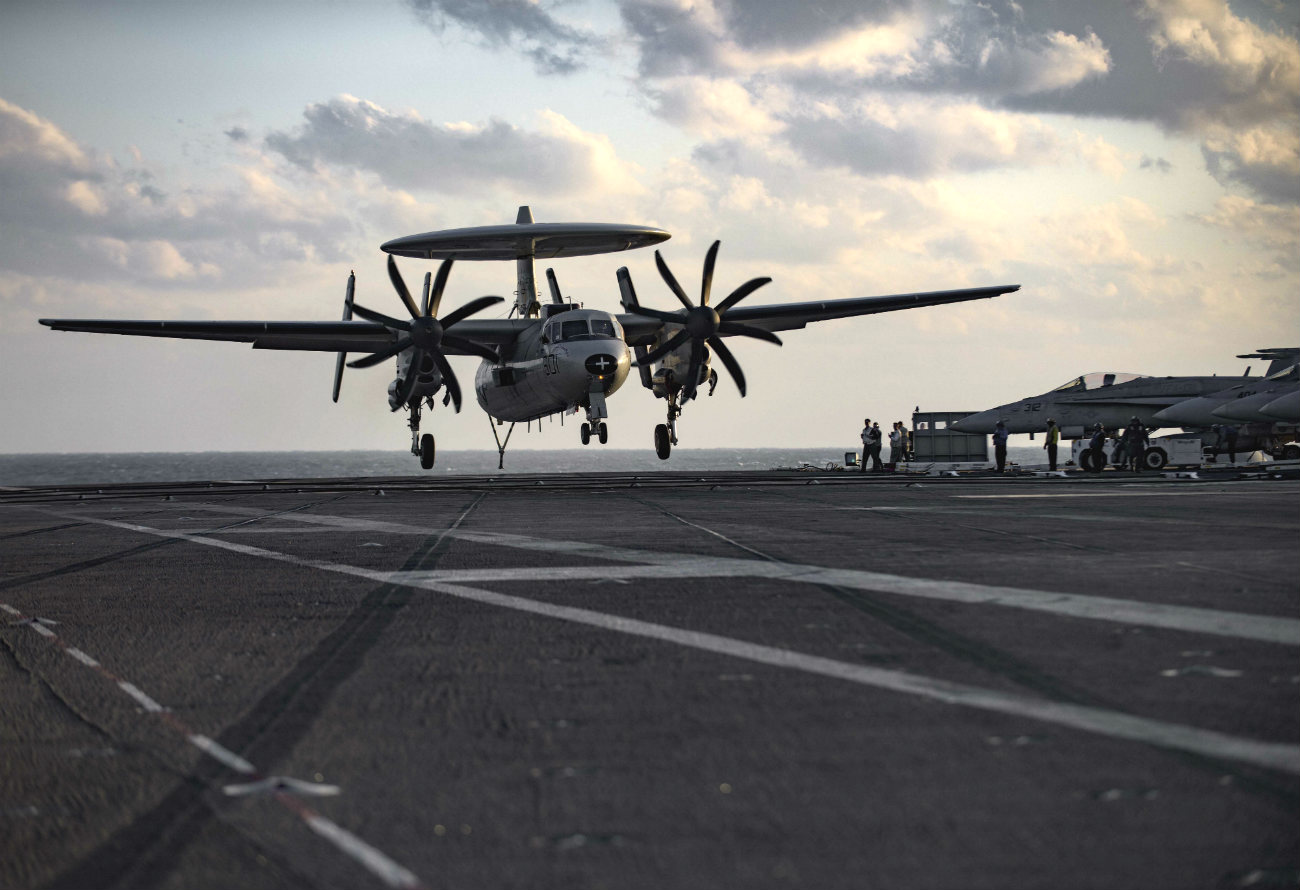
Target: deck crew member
(873, 447)
(1000, 434)
(1053, 440)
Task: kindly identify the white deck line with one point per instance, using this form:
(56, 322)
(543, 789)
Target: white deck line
(1263, 628)
(1113, 724)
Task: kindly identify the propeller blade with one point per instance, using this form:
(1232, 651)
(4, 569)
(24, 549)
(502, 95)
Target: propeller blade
(448, 378)
(412, 373)
(400, 285)
(469, 346)
(424, 299)
(439, 284)
(668, 278)
(722, 352)
(347, 316)
(386, 320)
(744, 330)
(476, 305)
(670, 317)
(707, 284)
(668, 346)
(693, 373)
(741, 292)
(375, 358)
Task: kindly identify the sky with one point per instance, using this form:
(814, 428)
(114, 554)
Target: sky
(1134, 166)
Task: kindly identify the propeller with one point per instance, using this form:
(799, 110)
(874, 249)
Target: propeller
(425, 332)
(703, 324)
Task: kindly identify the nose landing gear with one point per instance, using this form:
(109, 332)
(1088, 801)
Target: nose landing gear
(595, 406)
(600, 429)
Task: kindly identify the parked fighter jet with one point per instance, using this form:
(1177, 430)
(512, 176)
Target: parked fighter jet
(1193, 403)
(1109, 398)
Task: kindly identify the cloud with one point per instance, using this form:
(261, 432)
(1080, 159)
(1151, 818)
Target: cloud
(1266, 159)
(1193, 67)
(921, 138)
(1103, 236)
(1272, 226)
(740, 69)
(408, 152)
(554, 47)
(713, 108)
(72, 212)
(1247, 75)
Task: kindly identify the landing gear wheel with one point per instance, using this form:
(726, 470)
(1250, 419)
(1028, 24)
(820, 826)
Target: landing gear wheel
(663, 445)
(426, 451)
(1155, 459)
(1291, 452)
(603, 433)
(584, 433)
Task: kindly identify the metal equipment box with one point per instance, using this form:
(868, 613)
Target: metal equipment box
(934, 442)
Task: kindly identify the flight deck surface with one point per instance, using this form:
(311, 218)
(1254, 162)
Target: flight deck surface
(654, 681)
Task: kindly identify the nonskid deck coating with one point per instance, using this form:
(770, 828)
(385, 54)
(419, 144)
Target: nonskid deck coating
(653, 680)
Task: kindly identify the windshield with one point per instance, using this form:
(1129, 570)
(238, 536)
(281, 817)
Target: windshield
(573, 330)
(584, 329)
(1096, 380)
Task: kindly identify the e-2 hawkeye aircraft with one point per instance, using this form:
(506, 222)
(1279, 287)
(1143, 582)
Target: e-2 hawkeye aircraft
(542, 359)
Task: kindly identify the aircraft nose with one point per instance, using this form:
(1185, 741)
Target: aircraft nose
(981, 422)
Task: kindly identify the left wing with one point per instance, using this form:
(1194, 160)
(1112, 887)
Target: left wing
(641, 329)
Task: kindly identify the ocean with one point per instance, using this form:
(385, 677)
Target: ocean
(108, 469)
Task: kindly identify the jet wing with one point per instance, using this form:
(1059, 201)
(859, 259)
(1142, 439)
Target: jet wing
(792, 316)
(315, 336)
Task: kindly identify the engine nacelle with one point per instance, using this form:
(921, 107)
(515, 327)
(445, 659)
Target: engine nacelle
(670, 374)
(428, 380)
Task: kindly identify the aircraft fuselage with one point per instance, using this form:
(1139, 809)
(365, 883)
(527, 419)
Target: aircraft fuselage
(573, 359)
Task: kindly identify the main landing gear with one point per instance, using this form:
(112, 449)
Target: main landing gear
(666, 433)
(422, 447)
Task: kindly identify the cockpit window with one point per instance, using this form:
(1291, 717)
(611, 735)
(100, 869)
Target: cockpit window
(603, 327)
(573, 330)
(1096, 380)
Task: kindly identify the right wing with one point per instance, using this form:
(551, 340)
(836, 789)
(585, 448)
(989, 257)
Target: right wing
(641, 329)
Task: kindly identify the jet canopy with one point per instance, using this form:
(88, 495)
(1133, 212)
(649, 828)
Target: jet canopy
(1097, 380)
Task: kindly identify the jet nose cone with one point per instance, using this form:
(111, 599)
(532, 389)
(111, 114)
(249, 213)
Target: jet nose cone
(981, 422)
